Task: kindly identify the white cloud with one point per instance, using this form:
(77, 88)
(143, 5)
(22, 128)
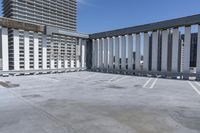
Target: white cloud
(85, 2)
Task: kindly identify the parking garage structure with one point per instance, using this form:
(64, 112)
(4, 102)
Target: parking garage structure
(30, 46)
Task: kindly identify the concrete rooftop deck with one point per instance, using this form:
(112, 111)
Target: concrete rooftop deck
(87, 102)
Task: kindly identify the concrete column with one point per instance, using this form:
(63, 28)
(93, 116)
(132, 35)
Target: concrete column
(52, 64)
(26, 51)
(94, 53)
(77, 63)
(155, 51)
(59, 60)
(16, 50)
(123, 52)
(44, 51)
(78, 54)
(59, 64)
(175, 50)
(187, 44)
(198, 55)
(97, 53)
(4, 49)
(66, 62)
(100, 53)
(117, 53)
(106, 53)
(72, 63)
(146, 52)
(83, 54)
(165, 40)
(130, 52)
(138, 53)
(36, 51)
(111, 53)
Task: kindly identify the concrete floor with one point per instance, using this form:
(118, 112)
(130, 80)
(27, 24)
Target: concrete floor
(87, 102)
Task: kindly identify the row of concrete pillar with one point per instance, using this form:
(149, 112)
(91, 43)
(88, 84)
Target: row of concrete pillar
(104, 58)
(16, 51)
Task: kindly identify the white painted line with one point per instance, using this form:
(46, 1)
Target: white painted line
(147, 83)
(197, 83)
(120, 79)
(113, 78)
(194, 87)
(90, 76)
(154, 82)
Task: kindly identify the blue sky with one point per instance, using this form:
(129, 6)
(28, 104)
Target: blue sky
(103, 15)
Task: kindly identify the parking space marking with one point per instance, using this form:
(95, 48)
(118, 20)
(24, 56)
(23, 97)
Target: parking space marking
(90, 76)
(113, 78)
(197, 83)
(120, 79)
(144, 86)
(154, 83)
(195, 88)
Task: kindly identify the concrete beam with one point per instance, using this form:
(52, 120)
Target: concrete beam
(18, 24)
(50, 30)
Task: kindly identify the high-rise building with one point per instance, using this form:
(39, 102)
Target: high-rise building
(59, 13)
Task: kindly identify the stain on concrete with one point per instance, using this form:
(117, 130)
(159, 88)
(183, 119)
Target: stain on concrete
(32, 96)
(187, 117)
(115, 87)
(8, 84)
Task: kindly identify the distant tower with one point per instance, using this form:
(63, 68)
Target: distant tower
(60, 13)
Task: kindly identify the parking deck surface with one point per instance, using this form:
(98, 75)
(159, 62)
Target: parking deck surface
(88, 102)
